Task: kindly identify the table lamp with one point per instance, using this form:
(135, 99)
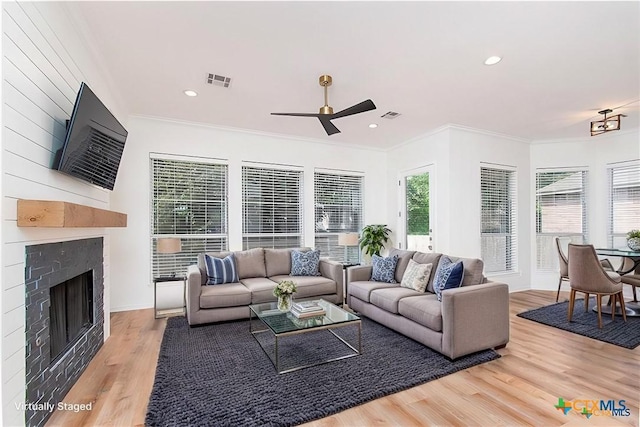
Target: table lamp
(169, 245)
(346, 240)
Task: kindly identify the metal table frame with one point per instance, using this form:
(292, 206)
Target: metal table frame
(276, 359)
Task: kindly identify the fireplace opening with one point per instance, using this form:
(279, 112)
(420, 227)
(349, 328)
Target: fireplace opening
(70, 312)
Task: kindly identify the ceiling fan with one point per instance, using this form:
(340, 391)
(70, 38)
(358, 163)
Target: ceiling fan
(326, 113)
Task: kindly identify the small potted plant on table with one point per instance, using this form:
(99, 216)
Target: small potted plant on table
(284, 290)
(633, 240)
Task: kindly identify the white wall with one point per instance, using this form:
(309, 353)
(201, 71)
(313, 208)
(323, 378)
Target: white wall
(594, 153)
(457, 153)
(132, 286)
(44, 61)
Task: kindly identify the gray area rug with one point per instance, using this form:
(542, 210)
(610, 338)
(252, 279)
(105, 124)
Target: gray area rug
(218, 375)
(613, 331)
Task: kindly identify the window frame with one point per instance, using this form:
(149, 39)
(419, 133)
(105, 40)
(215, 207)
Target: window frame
(280, 174)
(327, 241)
(486, 216)
(617, 174)
(546, 252)
(192, 244)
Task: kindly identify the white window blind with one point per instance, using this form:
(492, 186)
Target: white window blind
(624, 203)
(338, 209)
(188, 202)
(561, 210)
(499, 240)
(271, 208)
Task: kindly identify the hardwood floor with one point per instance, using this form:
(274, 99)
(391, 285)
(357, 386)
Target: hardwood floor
(539, 365)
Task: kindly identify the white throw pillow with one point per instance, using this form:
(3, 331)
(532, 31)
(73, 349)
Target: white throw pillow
(416, 276)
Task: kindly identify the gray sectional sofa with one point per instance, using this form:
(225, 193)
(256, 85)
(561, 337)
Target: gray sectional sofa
(470, 318)
(259, 271)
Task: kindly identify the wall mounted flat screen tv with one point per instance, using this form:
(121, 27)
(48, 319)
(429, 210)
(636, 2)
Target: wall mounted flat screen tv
(94, 142)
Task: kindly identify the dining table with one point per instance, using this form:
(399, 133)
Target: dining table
(632, 308)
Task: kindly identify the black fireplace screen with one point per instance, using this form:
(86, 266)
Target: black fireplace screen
(70, 312)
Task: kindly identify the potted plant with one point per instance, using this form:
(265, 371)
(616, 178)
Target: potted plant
(633, 240)
(373, 238)
(284, 290)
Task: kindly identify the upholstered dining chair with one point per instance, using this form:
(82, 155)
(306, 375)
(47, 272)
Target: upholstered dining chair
(587, 275)
(632, 278)
(564, 267)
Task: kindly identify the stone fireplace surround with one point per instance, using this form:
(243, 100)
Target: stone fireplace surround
(46, 266)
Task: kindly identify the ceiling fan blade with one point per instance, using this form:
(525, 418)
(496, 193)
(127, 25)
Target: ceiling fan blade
(356, 109)
(328, 126)
(296, 114)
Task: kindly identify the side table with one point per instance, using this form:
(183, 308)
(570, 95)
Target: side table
(167, 312)
(346, 265)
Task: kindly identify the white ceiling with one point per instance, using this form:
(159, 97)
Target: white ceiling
(562, 62)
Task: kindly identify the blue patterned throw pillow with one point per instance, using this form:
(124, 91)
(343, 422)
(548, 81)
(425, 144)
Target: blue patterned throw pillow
(449, 275)
(305, 263)
(384, 269)
(221, 270)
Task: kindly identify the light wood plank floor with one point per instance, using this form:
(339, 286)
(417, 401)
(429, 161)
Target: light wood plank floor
(538, 365)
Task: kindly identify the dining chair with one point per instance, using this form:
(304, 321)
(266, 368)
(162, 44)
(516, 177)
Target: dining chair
(632, 278)
(587, 275)
(564, 267)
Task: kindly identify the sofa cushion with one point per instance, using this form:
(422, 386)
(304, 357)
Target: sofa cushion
(472, 270)
(384, 268)
(202, 264)
(362, 290)
(278, 261)
(428, 258)
(448, 276)
(250, 263)
(225, 295)
(261, 289)
(309, 286)
(305, 263)
(416, 276)
(221, 270)
(425, 310)
(387, 299)
(403, 261)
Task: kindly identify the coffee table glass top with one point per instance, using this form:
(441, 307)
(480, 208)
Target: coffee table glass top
(281, 323)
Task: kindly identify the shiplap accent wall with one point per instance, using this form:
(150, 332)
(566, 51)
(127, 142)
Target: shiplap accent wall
(44, 61)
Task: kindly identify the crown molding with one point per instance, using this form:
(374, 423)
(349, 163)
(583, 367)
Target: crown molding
(606, 135)
(453, 126)
(257, 132)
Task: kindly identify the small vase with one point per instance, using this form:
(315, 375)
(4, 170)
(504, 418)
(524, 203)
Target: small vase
(634, 243)
(284, 303)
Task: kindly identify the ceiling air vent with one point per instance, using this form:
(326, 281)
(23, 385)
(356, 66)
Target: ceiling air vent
(390, 115)
(218, 80)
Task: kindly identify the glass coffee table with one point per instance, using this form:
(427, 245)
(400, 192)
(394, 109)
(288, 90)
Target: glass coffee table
(292, 344)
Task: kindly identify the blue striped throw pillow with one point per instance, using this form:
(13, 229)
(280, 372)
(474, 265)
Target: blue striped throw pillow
(221, 270)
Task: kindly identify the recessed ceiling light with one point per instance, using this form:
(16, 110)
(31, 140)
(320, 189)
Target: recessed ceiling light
(492, 60)
(190, 93)
(373, 125)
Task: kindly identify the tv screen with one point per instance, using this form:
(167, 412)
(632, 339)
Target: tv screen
(94, 142)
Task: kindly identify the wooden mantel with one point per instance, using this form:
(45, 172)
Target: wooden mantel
(51, 213)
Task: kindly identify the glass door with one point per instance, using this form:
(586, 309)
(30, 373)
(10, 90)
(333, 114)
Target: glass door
(416, 213)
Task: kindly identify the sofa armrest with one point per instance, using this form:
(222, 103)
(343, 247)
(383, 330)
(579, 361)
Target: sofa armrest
(194, 288)
(359, 273)
(333, 270)
(475, 318)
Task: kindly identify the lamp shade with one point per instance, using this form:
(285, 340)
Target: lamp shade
(348, 239)
(169, 245)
